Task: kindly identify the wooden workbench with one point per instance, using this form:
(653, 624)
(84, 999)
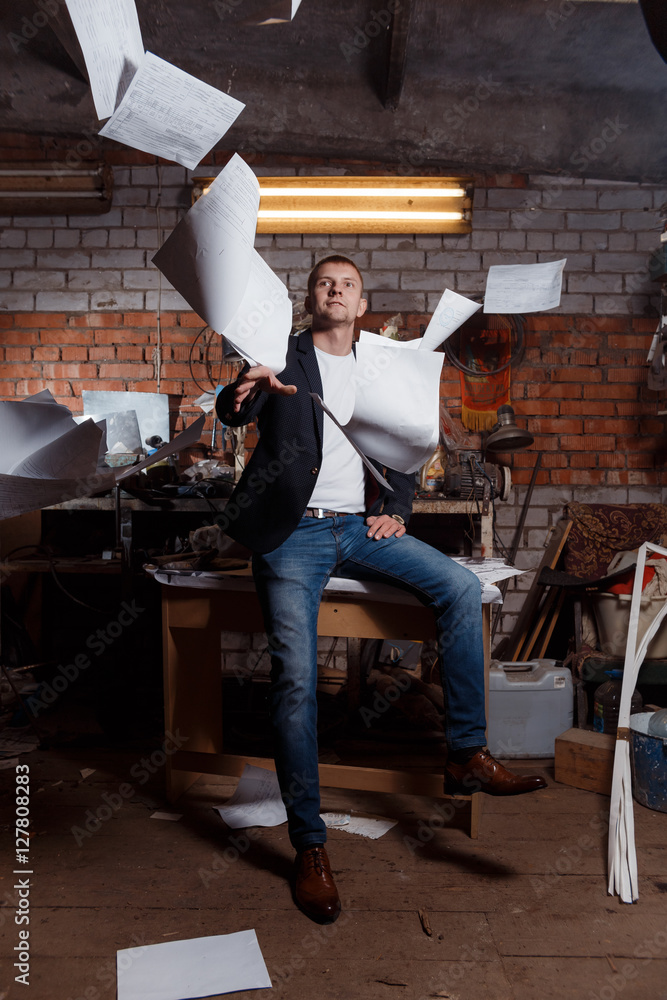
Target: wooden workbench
(194, 612)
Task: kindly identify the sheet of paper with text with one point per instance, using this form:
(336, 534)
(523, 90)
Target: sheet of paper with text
(112, 47)
(171, 114)
(523, 288)
(210, 259)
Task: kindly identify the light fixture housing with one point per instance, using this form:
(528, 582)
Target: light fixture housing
(47, 188)
(360, 204)
(505, 436)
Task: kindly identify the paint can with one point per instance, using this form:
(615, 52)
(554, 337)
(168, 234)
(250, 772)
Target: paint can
(648, 755)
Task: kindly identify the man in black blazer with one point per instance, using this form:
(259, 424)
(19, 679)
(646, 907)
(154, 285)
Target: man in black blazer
(307, 509)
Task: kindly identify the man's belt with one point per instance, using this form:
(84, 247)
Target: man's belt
(320, 512)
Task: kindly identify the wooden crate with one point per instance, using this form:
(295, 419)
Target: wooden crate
(585, 759)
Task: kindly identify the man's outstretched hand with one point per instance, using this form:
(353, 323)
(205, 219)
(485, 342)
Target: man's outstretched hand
(259, 379)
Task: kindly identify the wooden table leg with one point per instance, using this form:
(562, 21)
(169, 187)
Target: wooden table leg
(192, 682)
(192, 621)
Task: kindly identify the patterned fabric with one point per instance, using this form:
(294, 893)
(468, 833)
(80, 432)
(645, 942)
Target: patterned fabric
(481, 396)
(601, 530)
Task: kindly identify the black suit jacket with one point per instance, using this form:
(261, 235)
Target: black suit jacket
(278, 482)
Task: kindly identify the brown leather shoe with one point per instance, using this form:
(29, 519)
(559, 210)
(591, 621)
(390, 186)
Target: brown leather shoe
(314, 888)
(483, 773)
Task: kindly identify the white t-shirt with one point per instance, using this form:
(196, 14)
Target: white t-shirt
(340, 484)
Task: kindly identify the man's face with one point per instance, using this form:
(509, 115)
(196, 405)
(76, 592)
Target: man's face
(336, 298)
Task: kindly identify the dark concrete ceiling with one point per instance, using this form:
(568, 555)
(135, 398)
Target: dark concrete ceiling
(503, 85)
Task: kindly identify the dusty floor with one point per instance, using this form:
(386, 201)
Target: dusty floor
(520, 914)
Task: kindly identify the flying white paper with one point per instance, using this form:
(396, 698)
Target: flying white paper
(210, 259)
(291, 7)
(18, 495)
(451, 311)
(371, 468)
(256, 800)
(49, 458)
(26, 426)
(263, 321)
(365, 337)
(110, 40)
(522, 288)
(72, 456)
(172, 114)
(396, 418)
(189, 436)
(195, 967)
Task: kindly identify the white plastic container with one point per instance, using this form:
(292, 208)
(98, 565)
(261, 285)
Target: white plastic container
(612, 615)
(530, 704)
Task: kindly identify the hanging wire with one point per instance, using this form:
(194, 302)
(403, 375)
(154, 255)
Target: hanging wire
(157, 352)
(49, 557)
(208, 368)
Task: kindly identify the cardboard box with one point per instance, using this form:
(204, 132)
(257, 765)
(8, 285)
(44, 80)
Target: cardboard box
(585, 759)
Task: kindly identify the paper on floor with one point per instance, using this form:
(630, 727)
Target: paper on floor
(194, 967)
(256, 800)
(13, 741)
(372, 827)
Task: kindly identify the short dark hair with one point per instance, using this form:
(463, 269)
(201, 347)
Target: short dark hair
(334, 258)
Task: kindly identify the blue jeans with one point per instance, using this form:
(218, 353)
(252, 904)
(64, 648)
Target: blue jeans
(290, 581)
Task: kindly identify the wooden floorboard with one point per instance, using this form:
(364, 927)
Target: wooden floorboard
(520, 914)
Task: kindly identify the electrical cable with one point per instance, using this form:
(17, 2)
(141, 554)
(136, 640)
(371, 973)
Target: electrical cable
(208, 372)
(516, 327)
(157, 353)
(49, 557)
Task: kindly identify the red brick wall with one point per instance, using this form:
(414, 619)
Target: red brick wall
(78, 298)
(580, 389)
